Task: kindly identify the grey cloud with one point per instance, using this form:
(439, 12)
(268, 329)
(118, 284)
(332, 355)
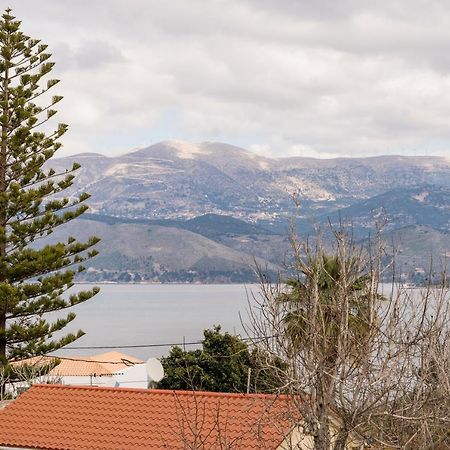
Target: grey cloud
(87, 55)
(318, 9)
(337, 77)
(95, 54)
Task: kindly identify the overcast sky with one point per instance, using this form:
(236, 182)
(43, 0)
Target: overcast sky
(281, 77)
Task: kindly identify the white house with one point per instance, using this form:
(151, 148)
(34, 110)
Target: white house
(111, 369)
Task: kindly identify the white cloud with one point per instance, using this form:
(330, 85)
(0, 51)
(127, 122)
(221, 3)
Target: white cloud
(319, 78)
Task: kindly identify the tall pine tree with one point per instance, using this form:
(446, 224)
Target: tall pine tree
(33, 277)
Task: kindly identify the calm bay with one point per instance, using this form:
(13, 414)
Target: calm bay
(140, 319)
(148, 314)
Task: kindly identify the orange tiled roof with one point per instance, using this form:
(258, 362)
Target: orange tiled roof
(68, 367)
(102, 364)
(115, 361)
(54, 417)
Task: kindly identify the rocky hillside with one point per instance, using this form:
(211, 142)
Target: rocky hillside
(202, 212)
(177, 180)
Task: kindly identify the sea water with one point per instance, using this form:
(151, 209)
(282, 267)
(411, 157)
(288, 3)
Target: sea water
(143, 319)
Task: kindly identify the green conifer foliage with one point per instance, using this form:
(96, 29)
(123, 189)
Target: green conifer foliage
(33, 277)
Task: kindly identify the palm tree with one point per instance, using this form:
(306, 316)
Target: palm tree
(328, 294)
(326, 317)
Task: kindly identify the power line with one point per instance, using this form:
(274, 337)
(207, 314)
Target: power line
(44, 358)
(128, 362)
(93, 347)
(167, 344)
(122, 360)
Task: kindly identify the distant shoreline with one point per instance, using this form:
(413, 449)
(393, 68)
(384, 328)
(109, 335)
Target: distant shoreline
(157, 283)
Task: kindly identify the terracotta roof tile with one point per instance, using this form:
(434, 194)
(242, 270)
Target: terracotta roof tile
(54, 417)
(115, 361)
(102, 364)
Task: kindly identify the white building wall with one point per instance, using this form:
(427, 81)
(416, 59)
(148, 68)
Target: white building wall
(132, 377)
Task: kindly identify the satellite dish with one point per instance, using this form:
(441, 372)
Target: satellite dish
(154, 369)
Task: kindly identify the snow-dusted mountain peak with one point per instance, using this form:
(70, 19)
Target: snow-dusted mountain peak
(172, 149)
(186, 150)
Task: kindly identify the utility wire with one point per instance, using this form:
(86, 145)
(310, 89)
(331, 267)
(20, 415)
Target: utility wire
(89, 347)
(168, 344)
(131, 363)
(44, 358)
(122, 360)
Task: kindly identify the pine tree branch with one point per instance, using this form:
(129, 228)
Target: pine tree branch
(49, 177)
(31, 105)
(27, 211)
(63, 264)
(61, 219)
(39, 150)
(60, 306)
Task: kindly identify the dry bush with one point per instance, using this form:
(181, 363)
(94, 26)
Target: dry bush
(369, 362)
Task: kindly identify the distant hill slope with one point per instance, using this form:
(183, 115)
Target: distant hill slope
(143, 252)
(419, 250)
(177, 211)
(209, 225)
(426, 206)
(213, 225)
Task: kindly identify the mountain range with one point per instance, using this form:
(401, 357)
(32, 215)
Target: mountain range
(177, 211)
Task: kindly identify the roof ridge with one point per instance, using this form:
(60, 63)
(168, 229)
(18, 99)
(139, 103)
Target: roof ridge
(163, 391)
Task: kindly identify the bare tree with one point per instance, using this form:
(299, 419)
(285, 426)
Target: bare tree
(365, 367)
(212, 421)
(20, 375)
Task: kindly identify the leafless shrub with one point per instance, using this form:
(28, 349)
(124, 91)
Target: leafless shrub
(19, 376)
(371, 367)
